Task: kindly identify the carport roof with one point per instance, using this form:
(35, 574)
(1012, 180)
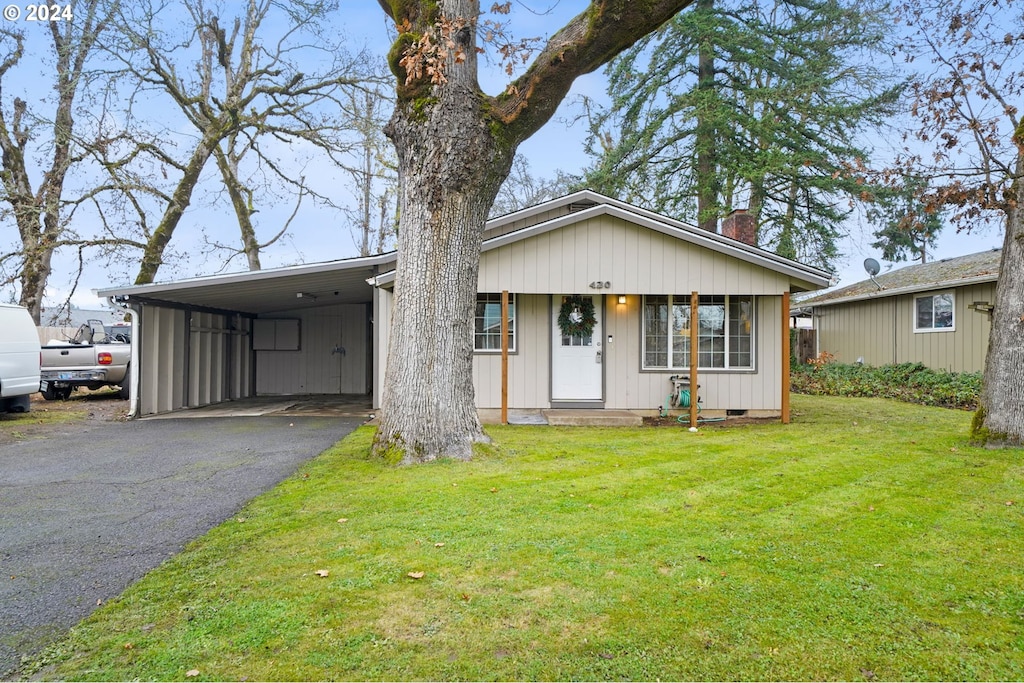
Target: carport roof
(264, 291)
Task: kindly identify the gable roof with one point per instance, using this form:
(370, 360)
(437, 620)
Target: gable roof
(943, 274)
(349, 280)
(586, 204)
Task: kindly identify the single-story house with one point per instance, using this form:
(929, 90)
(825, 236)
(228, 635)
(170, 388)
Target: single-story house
(938, 314)
(323, 328)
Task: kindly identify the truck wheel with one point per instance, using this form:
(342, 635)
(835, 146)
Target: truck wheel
(125, 390)
(53, 393)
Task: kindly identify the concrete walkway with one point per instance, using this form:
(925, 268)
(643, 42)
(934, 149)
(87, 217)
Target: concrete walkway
(565, 418)
(88, 510)
(360, 406)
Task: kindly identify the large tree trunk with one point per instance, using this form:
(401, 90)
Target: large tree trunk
(153, 254)
(455, 147)
(707, 141)
(35, 273)
(450, 168)
(999, 420)
(241, 200)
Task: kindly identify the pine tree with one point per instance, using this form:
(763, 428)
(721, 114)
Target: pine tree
(909, 227)
(748, 105)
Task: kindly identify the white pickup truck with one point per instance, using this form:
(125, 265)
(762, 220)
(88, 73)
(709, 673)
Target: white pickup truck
(98, 355)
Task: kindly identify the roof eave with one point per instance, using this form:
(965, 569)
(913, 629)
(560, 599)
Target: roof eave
(911, 289)
(250, 276)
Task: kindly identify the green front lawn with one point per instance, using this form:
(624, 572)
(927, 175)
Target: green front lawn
(865, 540)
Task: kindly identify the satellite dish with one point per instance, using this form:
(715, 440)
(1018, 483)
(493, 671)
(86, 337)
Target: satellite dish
(871, 265)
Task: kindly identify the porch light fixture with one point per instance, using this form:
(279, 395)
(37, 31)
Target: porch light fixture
(622, 298)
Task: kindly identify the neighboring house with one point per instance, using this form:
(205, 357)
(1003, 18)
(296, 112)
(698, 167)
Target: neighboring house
(323, 328)
(60, 324)
(938, 314)
(74, 316)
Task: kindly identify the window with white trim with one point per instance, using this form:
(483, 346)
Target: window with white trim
(725, 332)
(487, 323)
(933, 313)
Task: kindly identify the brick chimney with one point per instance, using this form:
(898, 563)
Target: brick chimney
(739, 225)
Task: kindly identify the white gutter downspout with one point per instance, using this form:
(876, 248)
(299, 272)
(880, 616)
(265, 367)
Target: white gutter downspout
(133, 378)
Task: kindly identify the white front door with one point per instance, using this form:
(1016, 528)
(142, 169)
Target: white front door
(576, 361)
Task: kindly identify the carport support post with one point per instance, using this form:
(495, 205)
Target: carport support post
(785, 358)
(694, 324)
(504, 356)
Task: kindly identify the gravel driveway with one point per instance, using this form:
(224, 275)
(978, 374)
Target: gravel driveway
(90, 508)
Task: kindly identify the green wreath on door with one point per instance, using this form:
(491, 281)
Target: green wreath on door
(576, 316)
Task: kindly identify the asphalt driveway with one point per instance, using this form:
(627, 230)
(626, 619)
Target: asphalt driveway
(86, 512)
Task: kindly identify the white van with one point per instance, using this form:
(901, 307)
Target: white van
(19, 359)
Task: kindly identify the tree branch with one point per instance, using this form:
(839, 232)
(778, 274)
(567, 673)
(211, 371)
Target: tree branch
(588, 41)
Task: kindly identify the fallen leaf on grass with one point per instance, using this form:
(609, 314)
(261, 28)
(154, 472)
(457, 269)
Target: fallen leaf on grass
(439, 545)
(129, 646)
(1009, 502)
(191, 673)
(494, 490)
(342, 520)
(879, 564)
(606, 655)
(415, 575)
(322, 573)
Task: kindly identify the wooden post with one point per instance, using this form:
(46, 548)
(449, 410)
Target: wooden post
(504, 356)
(785, 358)
(694, 325)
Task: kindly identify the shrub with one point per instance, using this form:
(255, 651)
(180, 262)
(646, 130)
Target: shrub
(910, 382)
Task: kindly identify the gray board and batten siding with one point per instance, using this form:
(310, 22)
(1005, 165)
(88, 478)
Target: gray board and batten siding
(631, 253)
(875, 321)
(205, 340)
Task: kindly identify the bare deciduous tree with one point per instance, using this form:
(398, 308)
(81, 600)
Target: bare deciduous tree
(373, 173)
(236, 81)
(968, 108)
(522, 189)
(41, 144)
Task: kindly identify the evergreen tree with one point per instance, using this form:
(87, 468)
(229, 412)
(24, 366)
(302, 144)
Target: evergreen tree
(747, 104)
(909, 227)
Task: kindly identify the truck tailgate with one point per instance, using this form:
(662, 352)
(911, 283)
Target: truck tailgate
(68, 356)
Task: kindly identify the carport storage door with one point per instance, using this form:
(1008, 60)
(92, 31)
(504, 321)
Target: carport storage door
(332, 357)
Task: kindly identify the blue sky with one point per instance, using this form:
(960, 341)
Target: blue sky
(558, 146)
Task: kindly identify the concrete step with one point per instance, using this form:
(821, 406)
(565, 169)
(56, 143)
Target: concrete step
(593, 418)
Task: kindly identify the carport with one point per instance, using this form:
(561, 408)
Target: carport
(297, 330)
